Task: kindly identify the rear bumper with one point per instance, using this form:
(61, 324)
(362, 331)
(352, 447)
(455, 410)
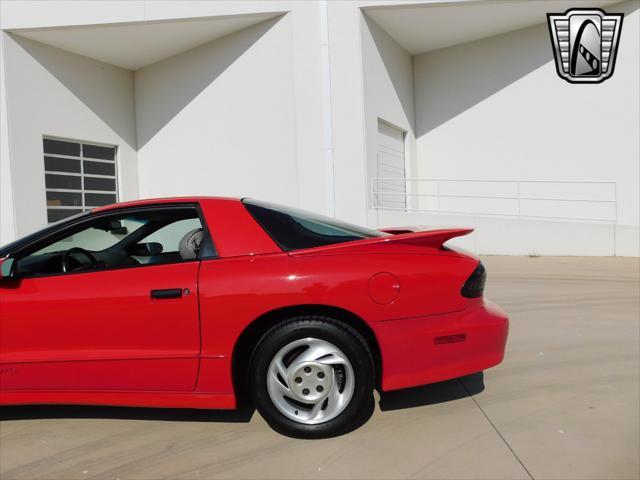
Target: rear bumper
(412, 356)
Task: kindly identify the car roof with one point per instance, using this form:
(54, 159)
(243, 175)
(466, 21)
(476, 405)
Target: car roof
(162, 201)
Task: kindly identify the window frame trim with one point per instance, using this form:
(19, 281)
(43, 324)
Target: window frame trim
(59, 233)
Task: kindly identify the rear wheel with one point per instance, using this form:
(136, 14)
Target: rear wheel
(312, 377)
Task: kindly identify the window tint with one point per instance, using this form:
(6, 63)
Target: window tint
(169, 236)
(120, 240)
(99, 199)
(70, 199)
(59, 164)
(96, 238)
(294, 229)
(99, 168)
(43, 232)
(98, 151)
(100, 184)
(60, 147)
(78, 176)
(64, 182)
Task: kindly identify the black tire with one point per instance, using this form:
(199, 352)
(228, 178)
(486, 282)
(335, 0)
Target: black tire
(361, 405)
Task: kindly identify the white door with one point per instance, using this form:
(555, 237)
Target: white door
(391, 184)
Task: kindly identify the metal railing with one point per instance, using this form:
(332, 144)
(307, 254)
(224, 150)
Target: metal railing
(565, 200)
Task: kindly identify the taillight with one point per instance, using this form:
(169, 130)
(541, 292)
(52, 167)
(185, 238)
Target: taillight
(474, 286)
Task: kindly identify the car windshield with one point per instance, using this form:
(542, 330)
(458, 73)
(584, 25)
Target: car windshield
(6, 249)
(294, 229)
(98, 237)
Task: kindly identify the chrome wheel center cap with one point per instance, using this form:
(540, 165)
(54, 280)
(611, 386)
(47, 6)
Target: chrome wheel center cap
(310, 382)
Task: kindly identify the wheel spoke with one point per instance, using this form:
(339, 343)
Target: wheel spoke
(336, 400)
(277, 367)
(316, 411)
(334, 358)
(281, 369)
(316, 349)
(278, 388)
(311, 380)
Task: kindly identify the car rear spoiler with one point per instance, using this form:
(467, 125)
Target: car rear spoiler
(398, 230)
(430, 239)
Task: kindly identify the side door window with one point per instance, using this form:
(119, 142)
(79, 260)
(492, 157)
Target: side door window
(163, 245)
(121, 240)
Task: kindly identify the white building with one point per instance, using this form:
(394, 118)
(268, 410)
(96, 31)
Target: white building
(310, 103)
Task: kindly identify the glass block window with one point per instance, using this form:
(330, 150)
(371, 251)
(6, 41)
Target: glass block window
(78, 176)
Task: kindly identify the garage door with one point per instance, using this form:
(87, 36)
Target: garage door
(391, 166)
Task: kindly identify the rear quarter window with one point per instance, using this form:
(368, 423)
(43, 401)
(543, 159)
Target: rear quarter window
(294, 229)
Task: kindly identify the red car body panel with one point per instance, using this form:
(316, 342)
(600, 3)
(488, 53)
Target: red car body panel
(98, 338)
(484, 325)
(102, 331)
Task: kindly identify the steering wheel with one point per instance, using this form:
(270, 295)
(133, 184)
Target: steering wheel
(93, 261)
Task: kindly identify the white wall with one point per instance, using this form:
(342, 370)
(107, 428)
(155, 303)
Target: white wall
(55, 93)
(488, 111)
(248, 115)
(388, 95)
(348, 46)
(7, 219)
(347, 112)
(311, 71)
(220, 119)
(239, 116)
(56, 13)
(257, 98)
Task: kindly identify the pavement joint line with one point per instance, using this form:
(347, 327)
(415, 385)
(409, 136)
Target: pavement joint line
(473, 398)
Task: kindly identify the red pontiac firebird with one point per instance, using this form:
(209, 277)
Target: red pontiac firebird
(187, 302)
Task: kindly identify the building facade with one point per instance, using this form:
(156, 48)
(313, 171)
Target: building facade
(434, 113)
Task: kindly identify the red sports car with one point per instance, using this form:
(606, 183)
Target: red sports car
(188, 302)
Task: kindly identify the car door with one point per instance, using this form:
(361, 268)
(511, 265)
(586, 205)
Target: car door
(118, 324)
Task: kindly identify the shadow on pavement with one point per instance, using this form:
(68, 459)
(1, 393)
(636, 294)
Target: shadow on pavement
(30, 412)
(434, 393)
(400, 399)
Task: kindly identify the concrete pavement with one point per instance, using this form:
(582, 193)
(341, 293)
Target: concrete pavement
(563, 405)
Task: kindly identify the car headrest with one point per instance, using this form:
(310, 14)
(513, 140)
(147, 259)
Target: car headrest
(190, 244)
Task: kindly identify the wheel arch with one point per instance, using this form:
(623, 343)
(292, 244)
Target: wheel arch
(253, 332)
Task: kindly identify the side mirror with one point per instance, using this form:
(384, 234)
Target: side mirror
(7, 268)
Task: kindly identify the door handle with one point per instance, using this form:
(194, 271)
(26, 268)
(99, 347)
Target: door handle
(166, 293)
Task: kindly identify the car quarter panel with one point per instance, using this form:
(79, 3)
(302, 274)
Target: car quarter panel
(233, 231)
(419, 350)
(236, 291)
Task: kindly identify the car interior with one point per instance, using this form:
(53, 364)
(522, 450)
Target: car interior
(148, 238)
